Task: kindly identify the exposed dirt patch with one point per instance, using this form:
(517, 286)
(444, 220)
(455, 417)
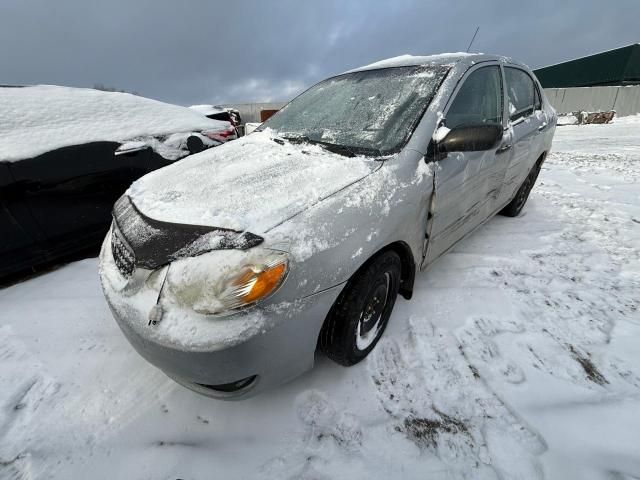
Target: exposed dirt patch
(424, 432)
(202, 420)
(169, 443)
(589, 368)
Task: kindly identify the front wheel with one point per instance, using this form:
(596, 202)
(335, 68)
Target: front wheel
(516, 205)
(360, 315)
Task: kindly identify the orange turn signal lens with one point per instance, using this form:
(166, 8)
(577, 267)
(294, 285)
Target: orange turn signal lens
(258, 284)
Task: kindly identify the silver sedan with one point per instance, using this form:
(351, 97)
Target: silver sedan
(230, 269)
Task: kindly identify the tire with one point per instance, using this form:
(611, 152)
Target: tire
(360, 315)
(194, 144)
(516, 205)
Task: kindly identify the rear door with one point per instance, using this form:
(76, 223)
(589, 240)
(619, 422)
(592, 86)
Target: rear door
(20, 242)
(71, 191)
(468, 184)
(525, 123)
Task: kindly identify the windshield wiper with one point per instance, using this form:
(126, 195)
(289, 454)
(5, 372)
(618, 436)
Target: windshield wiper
(346, 150)
(350, 150)
(339, 149)
(297, 139)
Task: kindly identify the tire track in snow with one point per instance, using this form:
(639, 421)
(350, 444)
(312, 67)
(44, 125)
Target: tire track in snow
(329, 436)
(440, 404)
(25, 392)
(572, 291)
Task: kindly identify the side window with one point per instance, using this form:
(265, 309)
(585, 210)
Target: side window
(479, 100)
(522, 93)
(538, 100)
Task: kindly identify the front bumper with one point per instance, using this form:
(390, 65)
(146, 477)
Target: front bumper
(265, 345)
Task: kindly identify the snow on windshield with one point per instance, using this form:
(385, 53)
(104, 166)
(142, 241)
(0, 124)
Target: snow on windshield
(375, 109)
(35, 120)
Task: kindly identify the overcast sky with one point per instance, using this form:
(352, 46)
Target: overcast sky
(190, 52)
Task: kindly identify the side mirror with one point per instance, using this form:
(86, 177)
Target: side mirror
(472, 138)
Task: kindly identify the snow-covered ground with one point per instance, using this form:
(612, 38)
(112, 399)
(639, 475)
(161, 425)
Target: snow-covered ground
(517, 358)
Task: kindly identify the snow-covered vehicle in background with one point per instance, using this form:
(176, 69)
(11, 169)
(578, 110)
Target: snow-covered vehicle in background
(216, 112)
(66, 155)
(229, 269)
(251, 127)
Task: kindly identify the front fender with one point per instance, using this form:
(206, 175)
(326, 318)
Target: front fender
(330, 241)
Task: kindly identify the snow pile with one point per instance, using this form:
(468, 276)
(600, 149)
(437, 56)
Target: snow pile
(440, 133)
(35, 120)
(207, 109)
(582, 117)
(565, 118)
(172, 147)
(249, 127)
(240, 185)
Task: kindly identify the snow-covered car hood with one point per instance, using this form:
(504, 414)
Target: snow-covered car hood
(251, 184)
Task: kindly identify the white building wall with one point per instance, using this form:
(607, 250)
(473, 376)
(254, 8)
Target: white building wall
(624, 100)
(250, 112)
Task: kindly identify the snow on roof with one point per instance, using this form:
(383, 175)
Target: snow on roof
(407, 60)
(37, 119)
(207, 109)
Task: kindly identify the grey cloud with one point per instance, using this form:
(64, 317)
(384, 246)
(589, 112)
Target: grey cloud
(204, 51)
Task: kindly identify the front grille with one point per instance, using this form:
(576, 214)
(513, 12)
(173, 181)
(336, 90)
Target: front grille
(123, 255)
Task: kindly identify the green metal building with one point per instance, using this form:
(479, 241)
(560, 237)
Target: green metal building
(620, 66)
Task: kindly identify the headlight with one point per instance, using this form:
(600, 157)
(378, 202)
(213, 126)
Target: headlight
(223, 281)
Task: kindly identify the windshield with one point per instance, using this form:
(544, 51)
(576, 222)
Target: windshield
(374, 110)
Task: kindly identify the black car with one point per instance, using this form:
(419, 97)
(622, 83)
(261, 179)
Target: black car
(67, 154)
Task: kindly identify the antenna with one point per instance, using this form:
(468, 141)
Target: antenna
(474, 37)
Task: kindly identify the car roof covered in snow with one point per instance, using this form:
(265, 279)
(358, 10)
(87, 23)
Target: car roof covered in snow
(439, 59)
(38, 119)
(208, 109)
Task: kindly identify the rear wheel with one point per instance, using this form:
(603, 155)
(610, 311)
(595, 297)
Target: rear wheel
(517, 204)
(194, 144)
(360, 315)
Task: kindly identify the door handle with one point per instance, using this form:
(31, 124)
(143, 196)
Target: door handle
(542, 127)
(504, 148)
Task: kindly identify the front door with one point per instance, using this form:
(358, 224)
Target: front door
(468, 184)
